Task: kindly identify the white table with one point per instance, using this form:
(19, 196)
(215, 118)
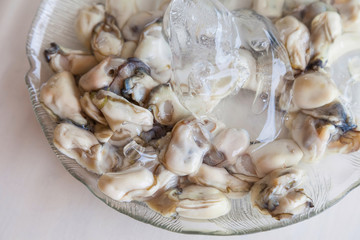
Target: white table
(39, 199)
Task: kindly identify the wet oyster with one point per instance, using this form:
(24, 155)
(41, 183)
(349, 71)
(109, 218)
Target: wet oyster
(186, 149)
(60, 96)
(136, 24)
(312, 135)
(296, 38)
(336, 113)
(106, 39)
(83, 146)
(136, 183)
(101, 76)
(269, 8)
(128, 49)
(91, 110)
(74, 61)
(279, 154)
(118, 111)
(165, 105)
(154, 51)
(220, 179)
(86, 20)
(346, 143)
(313, 90)
(138, 87)
(227, 146)
(278, 194)
(325, 28)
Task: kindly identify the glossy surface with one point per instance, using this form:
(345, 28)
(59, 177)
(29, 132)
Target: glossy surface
(242, 219)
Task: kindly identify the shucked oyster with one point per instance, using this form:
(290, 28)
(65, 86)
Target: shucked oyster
(165, 105)
(74, 61)
(325, 28)
(86, 20)
(219, 178)
(136, 183)
(186, 149)
(313, 90)
(279, 195)
(136, 24)
(312, 135)
(154, 50)
(61, 96)
(83, 146)
(101, 76)
(106, 39)
(118, 111)
(279, 154)
(296, 38)
(194, 202)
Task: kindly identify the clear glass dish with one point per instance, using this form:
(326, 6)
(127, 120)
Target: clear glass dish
(327, 183)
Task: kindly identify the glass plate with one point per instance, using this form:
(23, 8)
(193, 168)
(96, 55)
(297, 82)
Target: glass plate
(327, 182)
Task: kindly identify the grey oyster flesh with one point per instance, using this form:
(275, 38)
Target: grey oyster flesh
(278, 194)
(75, 61)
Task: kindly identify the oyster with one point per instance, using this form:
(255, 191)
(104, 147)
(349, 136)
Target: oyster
(312, 135)
(269, 8)
(128, 49)
(336, 113)
(118, 111)
(314, 90)
(136, 183)
(325, 28)
(128, 69)
(227, 145)
(86, 20)
(60, 96)
(82, 146)
(91, 110)
(194, 202)
(198, 202)
(107, 39)
(74, 61)
(103, 133)
(124, 9)
(296, 38)
(125, 133)
(219, 178)
(346, 143)
(138, 87)
(136, 24)
(100, 76)
(314, 9)
(278, 194)
(186, 149)
(154, 51)
(165, 105)
(279, 154)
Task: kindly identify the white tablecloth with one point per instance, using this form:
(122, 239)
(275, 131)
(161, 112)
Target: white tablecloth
(39, 199)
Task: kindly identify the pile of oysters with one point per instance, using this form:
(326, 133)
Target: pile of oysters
(119, 117)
